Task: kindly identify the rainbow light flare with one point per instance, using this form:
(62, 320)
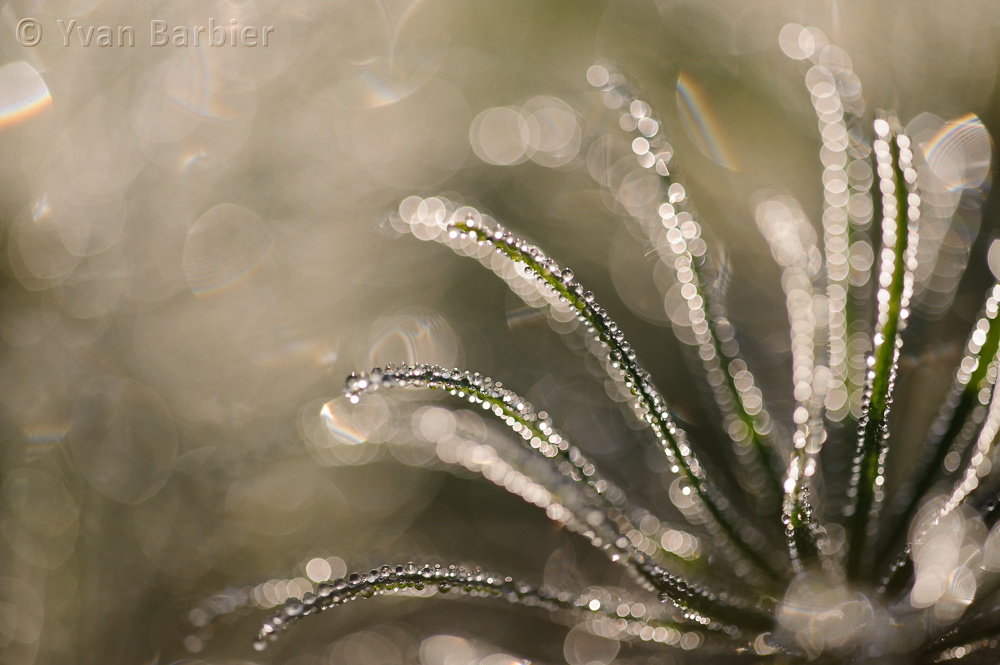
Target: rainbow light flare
(701, 123)
(23, 93)
(960, 152)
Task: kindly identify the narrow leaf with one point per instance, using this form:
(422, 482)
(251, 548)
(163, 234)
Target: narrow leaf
(963, 641)
(979, 463)
(619, 535)
(959, 420)
(703, 605)
(835, 93)
(793, 245)
(429, 219)
(676, 235)
(649, 404)
(900, 212)
(456, 580)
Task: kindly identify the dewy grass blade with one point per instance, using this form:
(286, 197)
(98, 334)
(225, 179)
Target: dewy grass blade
(901, 570)
(835, 93)
(984, 602)
(430, 580)
(704, 606)
(979, 463)
(963, 642)
(959, 421)
(618, 535)
(428, 219)
(793, 246)
(676, 235)
(650, 406)
(900, 212)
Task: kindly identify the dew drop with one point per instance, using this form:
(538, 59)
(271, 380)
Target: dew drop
(294, 607)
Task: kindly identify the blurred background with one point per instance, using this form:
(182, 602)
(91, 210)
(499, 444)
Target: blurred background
(197, 248)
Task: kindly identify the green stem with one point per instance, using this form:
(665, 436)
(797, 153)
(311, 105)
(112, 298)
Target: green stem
(651, 406)
(960, 419)
(536, 433)
(895, 280)
(689, 266)
(459, 580)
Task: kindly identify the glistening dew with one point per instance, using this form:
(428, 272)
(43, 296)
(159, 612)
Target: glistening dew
(843, 571)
